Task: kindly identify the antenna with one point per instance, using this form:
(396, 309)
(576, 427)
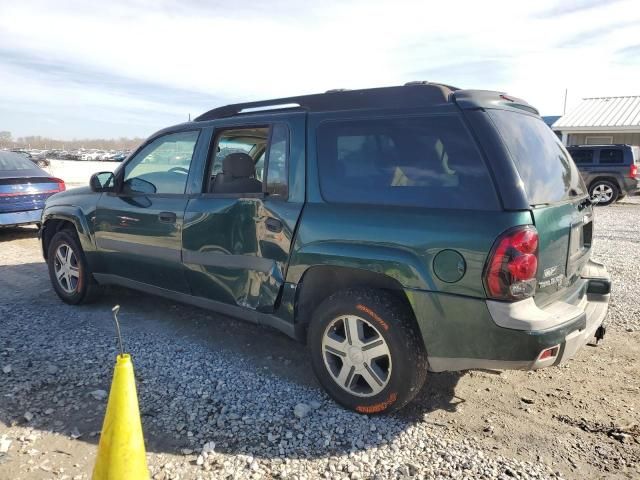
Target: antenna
(564, 110)
(115, 311)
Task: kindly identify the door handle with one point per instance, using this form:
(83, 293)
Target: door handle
(273, 225)
(167, 217)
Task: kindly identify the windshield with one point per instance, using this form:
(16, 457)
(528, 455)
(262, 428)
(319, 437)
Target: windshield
(547, 171)
(14, 161)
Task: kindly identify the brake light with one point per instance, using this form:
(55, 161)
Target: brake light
(633, 172)
(61, 186)
(511, 270)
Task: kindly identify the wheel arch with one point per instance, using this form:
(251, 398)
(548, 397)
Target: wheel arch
(65, 218)
(607, 177)
(320, 281)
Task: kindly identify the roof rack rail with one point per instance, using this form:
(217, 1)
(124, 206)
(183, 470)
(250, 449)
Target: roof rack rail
(336, 90)
(426, 82)
(275, 106)
(381, 97)
(250, 107)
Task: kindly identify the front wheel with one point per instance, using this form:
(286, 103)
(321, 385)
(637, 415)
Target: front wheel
(366, 351)
(68, 269)
(604, 192)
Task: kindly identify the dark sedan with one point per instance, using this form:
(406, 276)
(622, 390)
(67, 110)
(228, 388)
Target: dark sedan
(24, 187)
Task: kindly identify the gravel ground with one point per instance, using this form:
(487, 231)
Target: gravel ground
(223, 399)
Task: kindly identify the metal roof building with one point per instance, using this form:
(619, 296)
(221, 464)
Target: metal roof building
(602, 120)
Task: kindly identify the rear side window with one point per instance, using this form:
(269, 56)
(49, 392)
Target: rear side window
(611, 156)
(416, 161)
(546, 169)
(582, 156)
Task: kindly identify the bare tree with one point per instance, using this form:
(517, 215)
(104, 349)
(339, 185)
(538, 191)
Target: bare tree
(5, 139)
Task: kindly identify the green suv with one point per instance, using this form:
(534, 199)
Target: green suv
(395, 230)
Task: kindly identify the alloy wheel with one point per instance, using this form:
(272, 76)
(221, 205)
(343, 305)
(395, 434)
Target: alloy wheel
(602, 193)
(66, 268)
(356, 356)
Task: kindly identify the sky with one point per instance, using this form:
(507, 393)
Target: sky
(107, 69)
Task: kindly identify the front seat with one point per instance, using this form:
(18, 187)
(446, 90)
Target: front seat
(238, 175)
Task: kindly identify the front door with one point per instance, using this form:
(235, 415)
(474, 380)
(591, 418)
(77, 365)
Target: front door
(138, 228)
(238, 231)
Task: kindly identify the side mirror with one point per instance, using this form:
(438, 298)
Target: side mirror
(102, 182)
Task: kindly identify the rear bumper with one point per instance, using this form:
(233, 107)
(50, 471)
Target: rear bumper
(20, 218)
(566, 325)
(630, 186)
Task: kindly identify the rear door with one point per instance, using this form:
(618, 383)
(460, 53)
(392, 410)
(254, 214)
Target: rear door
(557, 197)
(236, 243)
(611, 163)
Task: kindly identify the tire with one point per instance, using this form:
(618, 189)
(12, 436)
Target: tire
(605, 190)
(76, 284)
(373, 315)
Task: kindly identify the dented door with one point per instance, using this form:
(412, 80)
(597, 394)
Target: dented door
(235, 248)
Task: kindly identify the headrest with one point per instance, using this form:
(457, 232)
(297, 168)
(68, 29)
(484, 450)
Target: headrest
(238, 165)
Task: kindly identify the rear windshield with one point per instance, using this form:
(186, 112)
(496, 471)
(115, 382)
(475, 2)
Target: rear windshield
(546, 169)
(15, 161)
(415, 161)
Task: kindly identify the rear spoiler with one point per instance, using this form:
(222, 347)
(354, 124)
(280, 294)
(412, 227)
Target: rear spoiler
(475, 99)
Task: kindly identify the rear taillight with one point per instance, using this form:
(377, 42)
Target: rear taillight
(510, 273)
(633, 172)
(61, 186)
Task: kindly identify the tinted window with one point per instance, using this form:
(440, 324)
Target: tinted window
(277, 168)
(609, 156)
(417, 161)
(245, 171)
(582, 156)
(15, 161)
(162, 166)
(546, 169)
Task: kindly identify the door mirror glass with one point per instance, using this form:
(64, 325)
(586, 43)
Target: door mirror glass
(102, 182)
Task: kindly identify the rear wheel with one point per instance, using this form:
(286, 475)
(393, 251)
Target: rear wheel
(68, 269)
(367, 351)
(604, 192)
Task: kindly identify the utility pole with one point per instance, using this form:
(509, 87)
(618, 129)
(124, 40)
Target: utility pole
(564, 110)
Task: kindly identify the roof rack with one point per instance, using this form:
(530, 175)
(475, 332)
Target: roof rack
(413, 95)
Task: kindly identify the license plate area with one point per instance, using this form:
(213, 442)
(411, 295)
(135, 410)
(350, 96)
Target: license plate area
(579, 245)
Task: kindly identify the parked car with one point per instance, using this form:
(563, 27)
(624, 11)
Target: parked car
(610, 171)
(24, 187)
(394, 230)
(118, 157)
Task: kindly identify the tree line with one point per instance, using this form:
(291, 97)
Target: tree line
(45, 143)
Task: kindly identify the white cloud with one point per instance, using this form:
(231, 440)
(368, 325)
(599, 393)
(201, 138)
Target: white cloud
(281, 48)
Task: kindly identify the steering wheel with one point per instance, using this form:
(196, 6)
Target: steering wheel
(180, 169)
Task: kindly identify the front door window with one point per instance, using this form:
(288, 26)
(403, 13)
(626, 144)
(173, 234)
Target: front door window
(162, 166)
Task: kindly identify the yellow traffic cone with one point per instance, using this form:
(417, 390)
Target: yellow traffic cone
(121, 454)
